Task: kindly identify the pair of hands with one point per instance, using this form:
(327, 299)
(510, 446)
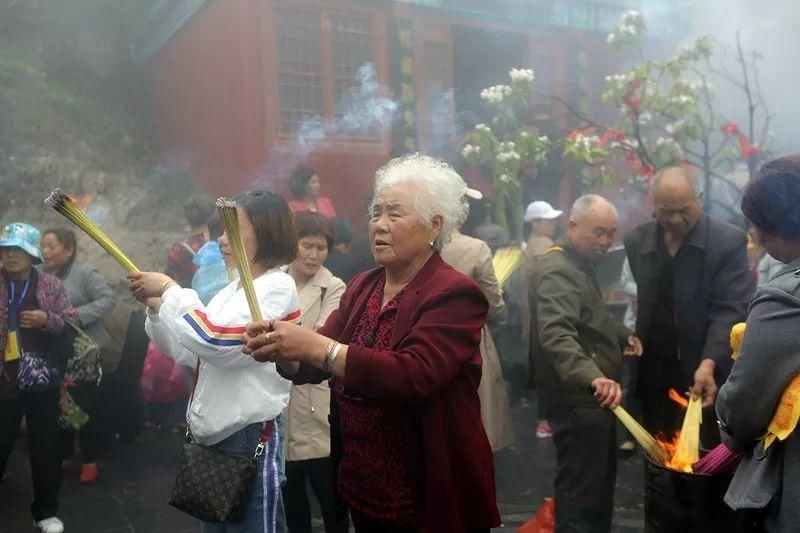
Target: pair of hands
(609, 392)
(282, 342)
(36, 319)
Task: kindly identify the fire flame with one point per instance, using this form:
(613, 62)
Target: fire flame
(677, 461)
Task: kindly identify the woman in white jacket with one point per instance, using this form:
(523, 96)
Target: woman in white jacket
(235, 396)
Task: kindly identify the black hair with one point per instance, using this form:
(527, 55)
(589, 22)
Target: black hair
(67, 239)
(272, 221)
(771, 199)
(342, 232)
(298, 181)
(198, 209)
(308, 223)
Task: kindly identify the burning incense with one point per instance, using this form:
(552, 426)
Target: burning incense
(70, 210)
(230, 220)
(649, 444)
(687, 449)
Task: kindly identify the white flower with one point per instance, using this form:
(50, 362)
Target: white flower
(495, 94)
(505, 178)
(476, 149)
(632, 17)
(675, 126)
(544, 139)
(482, 127)
(681, 99)
(519, 74)
(468, 149)
(524, 134)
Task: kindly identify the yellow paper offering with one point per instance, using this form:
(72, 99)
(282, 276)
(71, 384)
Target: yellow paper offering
(786, 415)
(687, 449)
(11, 352)
(737, 335)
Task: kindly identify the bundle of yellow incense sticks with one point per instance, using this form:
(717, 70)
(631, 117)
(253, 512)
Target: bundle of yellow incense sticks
(230, 220)
(67, 207)
(649, 444)
(505, 262)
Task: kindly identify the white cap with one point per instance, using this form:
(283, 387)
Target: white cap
(541, 210)
(474, 194)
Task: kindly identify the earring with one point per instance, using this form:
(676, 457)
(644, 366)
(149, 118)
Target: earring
(431, 244)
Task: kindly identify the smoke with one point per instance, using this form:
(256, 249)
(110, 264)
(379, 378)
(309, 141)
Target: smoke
(443, 128)
(368, 109)
(767, 27)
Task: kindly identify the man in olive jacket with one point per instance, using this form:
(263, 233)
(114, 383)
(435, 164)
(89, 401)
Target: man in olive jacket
(578, 348)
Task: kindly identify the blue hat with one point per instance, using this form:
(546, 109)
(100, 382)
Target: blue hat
(24, 236)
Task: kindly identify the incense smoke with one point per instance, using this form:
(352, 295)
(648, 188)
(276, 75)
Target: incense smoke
(367, 110)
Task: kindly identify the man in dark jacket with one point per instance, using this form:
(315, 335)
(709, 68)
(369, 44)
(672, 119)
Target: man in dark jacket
(578, 347)
(693, 284)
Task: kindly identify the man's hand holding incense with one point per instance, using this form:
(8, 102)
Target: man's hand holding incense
(145, 285)
(705, 386)
(607, 391)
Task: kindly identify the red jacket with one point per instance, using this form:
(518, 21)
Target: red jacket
(434, 368)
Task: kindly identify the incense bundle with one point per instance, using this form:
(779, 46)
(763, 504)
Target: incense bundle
(505, 262)
(720, 460)
(230, 220)
(70, 210)
(687, 449)
(649, 444)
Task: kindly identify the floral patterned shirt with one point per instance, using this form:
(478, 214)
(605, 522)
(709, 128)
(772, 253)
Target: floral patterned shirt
(376, 474)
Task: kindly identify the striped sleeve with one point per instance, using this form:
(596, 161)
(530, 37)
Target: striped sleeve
(214, 334)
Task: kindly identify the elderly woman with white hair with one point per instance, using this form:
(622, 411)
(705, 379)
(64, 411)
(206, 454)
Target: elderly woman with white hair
(402, 353)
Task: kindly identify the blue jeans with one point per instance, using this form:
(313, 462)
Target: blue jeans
(265, 512)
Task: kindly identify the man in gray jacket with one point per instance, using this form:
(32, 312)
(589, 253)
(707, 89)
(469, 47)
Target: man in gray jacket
(693, 283)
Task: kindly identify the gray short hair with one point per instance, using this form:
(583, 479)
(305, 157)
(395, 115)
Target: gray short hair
(584, 204)
(690, 176)
(446, 190)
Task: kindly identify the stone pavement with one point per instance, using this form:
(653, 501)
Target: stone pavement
(135, 480)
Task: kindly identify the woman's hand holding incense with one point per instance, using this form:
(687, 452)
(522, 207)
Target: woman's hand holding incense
(36, 319)
(146, 285)
(607, 391)
(276, 341)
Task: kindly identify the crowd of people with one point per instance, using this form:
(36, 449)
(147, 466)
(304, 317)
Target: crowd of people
(381, 370)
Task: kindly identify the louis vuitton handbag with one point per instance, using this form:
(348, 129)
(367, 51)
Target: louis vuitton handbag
(211, 485)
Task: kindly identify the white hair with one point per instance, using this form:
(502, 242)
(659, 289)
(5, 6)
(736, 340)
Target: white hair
(585, 203)
(444, 195)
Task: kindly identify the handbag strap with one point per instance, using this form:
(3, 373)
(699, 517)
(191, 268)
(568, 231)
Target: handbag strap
(262, 441)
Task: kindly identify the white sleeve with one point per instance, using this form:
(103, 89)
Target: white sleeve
(216, 337)
(162, 337)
